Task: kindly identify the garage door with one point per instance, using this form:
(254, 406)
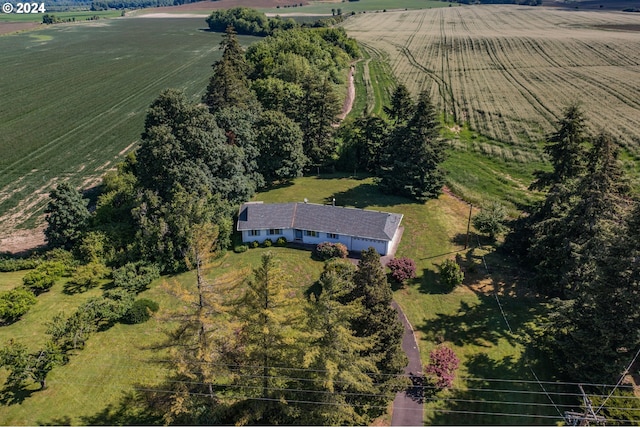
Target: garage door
(360, 244)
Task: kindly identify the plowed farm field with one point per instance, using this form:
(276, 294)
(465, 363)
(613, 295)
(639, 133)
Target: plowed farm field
(508, 71)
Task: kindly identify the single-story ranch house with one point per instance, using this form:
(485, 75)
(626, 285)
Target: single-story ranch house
(309, 223)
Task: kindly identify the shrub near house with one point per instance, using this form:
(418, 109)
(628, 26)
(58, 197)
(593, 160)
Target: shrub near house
(328, 250)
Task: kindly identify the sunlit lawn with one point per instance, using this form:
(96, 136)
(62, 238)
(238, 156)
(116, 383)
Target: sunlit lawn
(92, 386)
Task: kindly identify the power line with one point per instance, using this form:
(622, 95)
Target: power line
(495, 293)
(626, 371)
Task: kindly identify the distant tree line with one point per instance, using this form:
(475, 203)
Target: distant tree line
(135, 4)
(251, 22)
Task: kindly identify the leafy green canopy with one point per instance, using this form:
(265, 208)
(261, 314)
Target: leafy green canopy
(247, 21)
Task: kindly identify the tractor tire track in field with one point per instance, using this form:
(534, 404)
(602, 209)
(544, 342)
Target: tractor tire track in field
(507, 72)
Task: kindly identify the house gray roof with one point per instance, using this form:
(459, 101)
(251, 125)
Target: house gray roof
(324, 218)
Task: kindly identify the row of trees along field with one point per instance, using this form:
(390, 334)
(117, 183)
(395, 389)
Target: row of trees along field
(582, 243)
(267, 114)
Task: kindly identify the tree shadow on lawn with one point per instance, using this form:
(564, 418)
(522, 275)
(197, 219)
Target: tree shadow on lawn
(132, 409)
(365, 195)
(504, 391)
(482, 324)
(15, 395)
(430, 283)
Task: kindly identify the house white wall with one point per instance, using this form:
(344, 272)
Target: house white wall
(264, 235)
(355, 244)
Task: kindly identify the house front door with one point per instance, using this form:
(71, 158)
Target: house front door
(298, 234)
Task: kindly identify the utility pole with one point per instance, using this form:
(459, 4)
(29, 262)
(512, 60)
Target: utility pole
(468, 226)
(586, 418)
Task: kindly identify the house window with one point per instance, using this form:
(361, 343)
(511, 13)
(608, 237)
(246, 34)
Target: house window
(273, 231)
(332, 236)
(254, 233)
(311, 233)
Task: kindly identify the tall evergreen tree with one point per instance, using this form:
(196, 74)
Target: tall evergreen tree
(229, 84)
(412, 161)
(541, 237)
(600, 326)
(581, 220)
(318, 110)
(379, 322)
(336, 368)
(565, 148)
(271, 340)
(67, 216)
(402, 107)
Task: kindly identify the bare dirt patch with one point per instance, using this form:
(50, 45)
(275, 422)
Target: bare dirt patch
(22, 240)
(351, 96)
(14, 27)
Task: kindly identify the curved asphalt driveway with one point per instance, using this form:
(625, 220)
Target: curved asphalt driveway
(407, 406)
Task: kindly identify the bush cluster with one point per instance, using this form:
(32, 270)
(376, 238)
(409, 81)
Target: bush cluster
(254, 244)
(267, 243)
(15, 303)
(328, 250)
(450, 274)
(17, 264)
(402, 269)
(442, 366)
(282, 241)
(140, 311)
(240, 249)
(135, 277)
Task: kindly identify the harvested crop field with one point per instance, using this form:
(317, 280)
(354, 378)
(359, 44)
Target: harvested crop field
(509, 71)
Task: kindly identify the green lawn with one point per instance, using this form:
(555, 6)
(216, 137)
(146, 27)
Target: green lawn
(468, 319)
(91, 387)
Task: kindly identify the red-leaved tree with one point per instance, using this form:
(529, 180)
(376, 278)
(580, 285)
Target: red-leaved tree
(442, 366)
(402, 269)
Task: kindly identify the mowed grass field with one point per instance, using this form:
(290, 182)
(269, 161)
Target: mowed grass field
(508, 71)
(73, 98)
(495, 385)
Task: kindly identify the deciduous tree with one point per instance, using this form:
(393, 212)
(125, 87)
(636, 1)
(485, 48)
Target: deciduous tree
(279, 141)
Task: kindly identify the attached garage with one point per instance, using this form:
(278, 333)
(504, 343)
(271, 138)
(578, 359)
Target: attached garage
(360, 244)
